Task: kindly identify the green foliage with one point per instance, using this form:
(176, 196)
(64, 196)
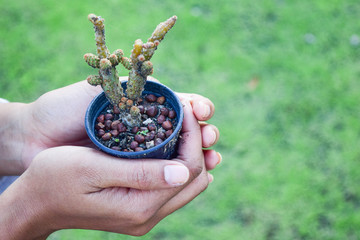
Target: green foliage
(284, 76)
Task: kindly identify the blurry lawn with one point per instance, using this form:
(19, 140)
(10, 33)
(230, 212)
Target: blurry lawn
(284, 76)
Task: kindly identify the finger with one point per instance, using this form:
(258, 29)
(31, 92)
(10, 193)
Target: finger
(142, 174)
(190, 142)
(203, 108)
(197, 186)
(151, 78)
(212, 159)
(189, 153)
(210, 135)
(123, 78)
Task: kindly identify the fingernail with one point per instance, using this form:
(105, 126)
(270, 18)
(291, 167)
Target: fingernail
(210, 177)
(205, 109)
(220, 158)
(176, 175)
(213, 136)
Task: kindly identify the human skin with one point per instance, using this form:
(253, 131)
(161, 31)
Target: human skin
(79, 187)
(57, 119)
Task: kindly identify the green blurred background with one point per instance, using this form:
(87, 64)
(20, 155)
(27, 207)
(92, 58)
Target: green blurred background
(284, 76)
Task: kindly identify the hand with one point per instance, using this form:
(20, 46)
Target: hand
(79, 187)
(57, 119)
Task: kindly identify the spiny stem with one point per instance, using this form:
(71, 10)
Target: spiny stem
(99, 27)
(140, 56)
(139, 65)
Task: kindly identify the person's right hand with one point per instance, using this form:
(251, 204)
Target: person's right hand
(79, 187)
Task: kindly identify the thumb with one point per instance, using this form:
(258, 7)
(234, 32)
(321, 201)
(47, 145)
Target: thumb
(142, 174)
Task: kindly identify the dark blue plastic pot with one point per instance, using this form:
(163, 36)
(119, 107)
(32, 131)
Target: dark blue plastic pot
(165, 150)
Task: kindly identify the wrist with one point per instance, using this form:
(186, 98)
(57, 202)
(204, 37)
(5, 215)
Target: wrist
(23, 216)
(12, 138)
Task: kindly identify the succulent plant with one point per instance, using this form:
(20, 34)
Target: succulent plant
(138, 64)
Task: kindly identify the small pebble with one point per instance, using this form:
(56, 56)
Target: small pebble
(134, 144)
(167, 125)
(172, 114)
(99, 126)
(143, 129)
(117, 148)
(161, 119)
(139, 138)
(150, 136)
(106, 136)
(109, 116)
(114, 132)
(114, 124)
(139, 149)
(108, 124)
(151, 98)
(158, 141)
(151, 111)
(101, 118)
(121, 127)
(151, 127)
(161, 135)
(161, 100)
(164, 111)
(101, 132)
(134, 130)
(116, 110)
(168, 133)
(142, 109)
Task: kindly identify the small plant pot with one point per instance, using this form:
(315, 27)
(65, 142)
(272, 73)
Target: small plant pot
(165, 150)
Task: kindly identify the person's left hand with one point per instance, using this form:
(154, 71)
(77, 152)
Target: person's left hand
(79, 187)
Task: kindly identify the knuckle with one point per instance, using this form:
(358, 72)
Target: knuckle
(142, 216)
(196, 169)
(88, 173)
(204, 182)
(142, 177)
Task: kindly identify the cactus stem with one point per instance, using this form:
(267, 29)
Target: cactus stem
(139, 65)
(99, 28)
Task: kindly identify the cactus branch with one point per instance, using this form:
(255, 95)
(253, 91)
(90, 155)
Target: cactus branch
(113, 59)
(94, 80)
(157, 36)
(126, 62)
(108, 77)
(99, 27)
(140, 56)
(92, 60)
(161, 29)
(110, 82)
(136, 52)
(147, 68)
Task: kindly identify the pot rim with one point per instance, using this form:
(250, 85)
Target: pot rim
(90, 123)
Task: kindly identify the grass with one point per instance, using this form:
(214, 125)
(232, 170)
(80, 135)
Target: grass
(284, 76)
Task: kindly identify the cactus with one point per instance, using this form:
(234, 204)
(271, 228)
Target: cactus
(140, 56)
(138, 64)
